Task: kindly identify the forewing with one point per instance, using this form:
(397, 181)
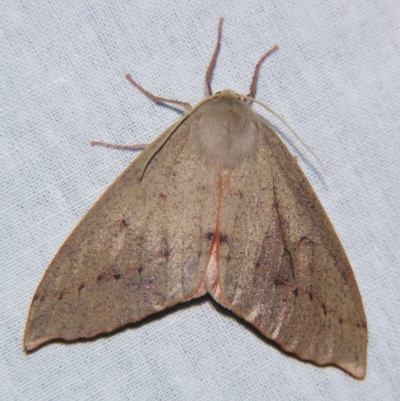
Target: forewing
(140, 249)
(283, 268)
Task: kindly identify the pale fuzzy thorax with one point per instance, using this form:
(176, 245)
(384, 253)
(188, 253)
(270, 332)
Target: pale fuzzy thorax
(224, 131)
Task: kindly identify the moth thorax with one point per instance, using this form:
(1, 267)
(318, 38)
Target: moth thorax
(224, 131)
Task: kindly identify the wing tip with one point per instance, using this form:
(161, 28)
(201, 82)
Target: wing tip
(30, 345)
(33, 340)
(356, 370)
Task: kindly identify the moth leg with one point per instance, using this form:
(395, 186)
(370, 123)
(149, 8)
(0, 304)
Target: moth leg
(155, 98)
(213, 60)
(139, 146)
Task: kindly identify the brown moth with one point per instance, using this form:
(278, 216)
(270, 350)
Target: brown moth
(216, 204)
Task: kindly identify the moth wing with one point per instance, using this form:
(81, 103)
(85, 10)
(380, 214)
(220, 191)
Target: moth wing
(140, 249)
(283, 268)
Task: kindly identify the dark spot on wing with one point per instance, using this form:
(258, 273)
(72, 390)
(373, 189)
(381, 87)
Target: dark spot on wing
(323, 306)
(340, 269)
(81, 287)
(210, 236)
(295, 292)
(310, 295)
(124, 223)
(109, 275)
(223, 238)
(343, 274)
(36, 297)
(279, 281)
(60, 296)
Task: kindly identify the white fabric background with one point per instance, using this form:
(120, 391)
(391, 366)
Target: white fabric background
(335, 78)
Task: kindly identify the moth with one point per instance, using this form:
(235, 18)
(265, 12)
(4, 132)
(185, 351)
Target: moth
(215, 204)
